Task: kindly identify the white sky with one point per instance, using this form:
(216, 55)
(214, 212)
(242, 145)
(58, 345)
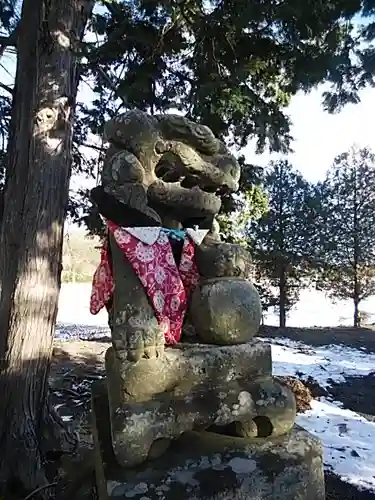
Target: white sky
(319, 137)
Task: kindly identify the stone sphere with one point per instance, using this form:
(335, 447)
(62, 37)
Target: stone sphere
(226, 311)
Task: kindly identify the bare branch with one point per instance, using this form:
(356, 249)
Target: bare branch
(6, 87)
(9, 41)
(6, 71)
(93, 146)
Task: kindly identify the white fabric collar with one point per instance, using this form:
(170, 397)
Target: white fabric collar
(149, 235)
(197, 235)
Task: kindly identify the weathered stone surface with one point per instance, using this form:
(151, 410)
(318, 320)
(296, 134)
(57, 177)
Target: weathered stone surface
(160, 170)
(135, 330)
(226, 311)
(184, 367)
(151, 156)
(168, 171)
(138, 427)
(219, 259)
(275, 415)
(207, 466)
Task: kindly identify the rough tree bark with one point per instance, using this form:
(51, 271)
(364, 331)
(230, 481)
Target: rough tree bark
(32, 233)
(282, 295)
(281, 249)
(356, 315)
(356, 229)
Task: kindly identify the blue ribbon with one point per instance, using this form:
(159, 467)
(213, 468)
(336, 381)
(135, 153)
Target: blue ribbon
(177, 234)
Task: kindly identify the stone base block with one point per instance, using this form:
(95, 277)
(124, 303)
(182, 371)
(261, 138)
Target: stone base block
(184, 367)
(260, 408)
(208, 466)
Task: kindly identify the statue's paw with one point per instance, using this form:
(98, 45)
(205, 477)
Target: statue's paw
(154, 351)
(148, 344)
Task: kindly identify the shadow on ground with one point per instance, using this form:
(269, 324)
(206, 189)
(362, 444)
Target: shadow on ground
(75, 365)
(78, 363)
(357, 338)
(338, 490)
(357, 394)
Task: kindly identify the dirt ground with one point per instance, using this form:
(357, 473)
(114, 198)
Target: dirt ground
(77, 363)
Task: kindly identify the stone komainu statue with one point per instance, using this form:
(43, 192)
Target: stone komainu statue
(160, 191)
(181, 308)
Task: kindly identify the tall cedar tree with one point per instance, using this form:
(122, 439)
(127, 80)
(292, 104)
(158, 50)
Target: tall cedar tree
(281, 239)
(232, 64)
(347, 228)
(36, 195)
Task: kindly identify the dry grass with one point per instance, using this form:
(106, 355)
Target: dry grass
(80, 257)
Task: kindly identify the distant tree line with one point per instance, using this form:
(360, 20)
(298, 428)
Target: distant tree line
(314, 235)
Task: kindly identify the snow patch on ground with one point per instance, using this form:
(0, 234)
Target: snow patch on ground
(348, 438)
(325, 364)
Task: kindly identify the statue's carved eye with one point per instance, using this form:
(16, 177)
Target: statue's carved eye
(161, 147)
(201, 129)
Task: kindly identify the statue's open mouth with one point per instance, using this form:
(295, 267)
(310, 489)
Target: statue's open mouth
(179, 187)
(168, 167)
(183, 178)
(183, 201)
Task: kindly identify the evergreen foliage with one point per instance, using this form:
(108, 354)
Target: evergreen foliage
(347, 228)
(282, 239)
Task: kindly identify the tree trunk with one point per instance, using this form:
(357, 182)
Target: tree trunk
(356, 254)
(357, 316)
(36, 196)
(282, 296)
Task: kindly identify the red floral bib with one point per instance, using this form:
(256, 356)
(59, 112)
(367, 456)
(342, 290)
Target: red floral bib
(167, 285)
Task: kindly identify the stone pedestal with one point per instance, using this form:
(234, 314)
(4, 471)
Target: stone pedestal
(153, 402)
(208, 466)
(184, 367)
